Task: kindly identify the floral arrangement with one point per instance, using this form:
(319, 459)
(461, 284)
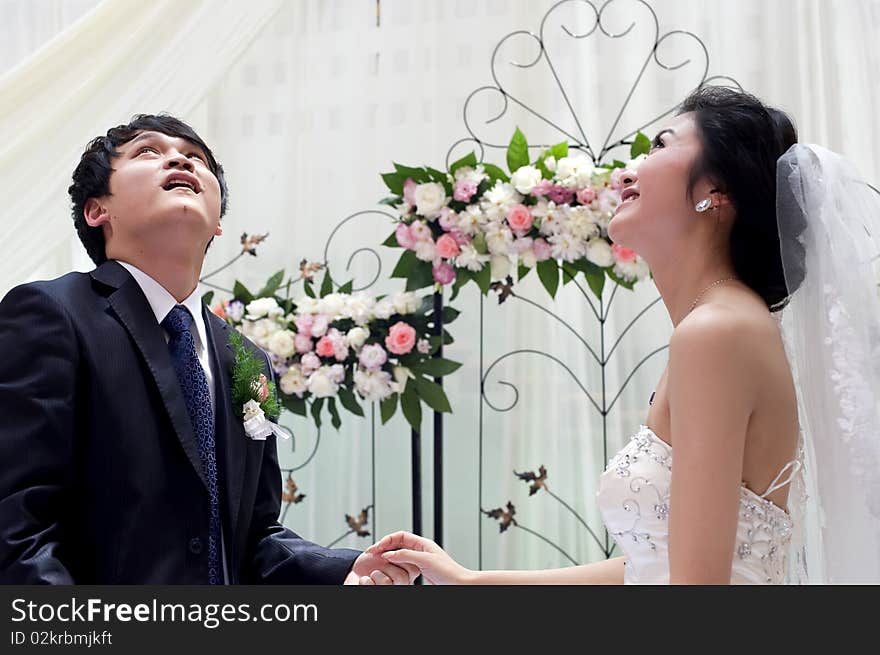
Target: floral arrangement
(341, 346)
(477, 222)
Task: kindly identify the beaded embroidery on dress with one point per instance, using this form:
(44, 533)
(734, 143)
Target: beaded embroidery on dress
(633, 498)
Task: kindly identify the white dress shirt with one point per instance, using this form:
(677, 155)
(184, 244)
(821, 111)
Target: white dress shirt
(162, 302)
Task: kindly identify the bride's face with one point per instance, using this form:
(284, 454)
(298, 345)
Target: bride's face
(658, 212)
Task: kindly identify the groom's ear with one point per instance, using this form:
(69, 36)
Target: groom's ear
(95, 213)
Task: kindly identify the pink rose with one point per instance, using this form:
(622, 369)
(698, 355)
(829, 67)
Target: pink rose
(401, 338)
(304, 324)
(424, 346)
(520, 219)
(303, 343)
(373, 357)
(542, 188)
(541, 249)
(310, 363)
(586, 196)
(404, 236)
(460, 237)
(447, 248)
(622, 254)
(420, 231)
(448, 220)
(444, 274)
(320, 323)
(464, 190)
(409, 192)
(560, 195)
(325, 347)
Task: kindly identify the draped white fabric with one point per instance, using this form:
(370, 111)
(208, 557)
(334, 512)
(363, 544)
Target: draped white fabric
(307, 104)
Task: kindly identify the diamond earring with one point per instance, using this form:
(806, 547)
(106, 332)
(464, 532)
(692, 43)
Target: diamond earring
(703, 205)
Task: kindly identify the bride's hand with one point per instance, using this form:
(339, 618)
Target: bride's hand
(436, 565)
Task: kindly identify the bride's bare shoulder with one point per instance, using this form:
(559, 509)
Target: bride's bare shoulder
(734, 328)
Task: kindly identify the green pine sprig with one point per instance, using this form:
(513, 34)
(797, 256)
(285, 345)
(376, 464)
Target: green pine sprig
(245, 377)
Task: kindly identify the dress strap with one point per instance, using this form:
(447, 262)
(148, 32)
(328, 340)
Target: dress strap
(794, 465)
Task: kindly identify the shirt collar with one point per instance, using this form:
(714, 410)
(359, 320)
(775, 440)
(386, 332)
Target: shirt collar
(162, 302)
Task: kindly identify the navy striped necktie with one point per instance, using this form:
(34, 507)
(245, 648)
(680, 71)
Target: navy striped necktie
(197, 397)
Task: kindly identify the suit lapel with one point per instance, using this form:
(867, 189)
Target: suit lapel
(133, 311)
(231, 439)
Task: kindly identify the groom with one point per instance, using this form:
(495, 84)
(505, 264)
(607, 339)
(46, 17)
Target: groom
(122, 459)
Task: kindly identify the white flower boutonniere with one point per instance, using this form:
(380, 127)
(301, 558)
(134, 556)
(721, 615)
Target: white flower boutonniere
(253, 393)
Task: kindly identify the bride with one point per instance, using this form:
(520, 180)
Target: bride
(701, 493)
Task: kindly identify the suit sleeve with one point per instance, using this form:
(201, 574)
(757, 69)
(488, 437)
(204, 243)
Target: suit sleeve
(277, 555)
(38, 364)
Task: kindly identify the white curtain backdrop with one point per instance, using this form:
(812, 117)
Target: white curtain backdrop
(306, 102)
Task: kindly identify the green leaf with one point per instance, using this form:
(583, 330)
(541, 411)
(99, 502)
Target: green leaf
(437, 367)
(432, 393)
(207, 298)
(618, 164)
(391, 201)
(387, 408)
(307, 287)
(548, 271)
(641, 146)
(559, 150)
(391, 241)
(569, 273)
(450, 314)
(421, 276)
(348, 400)
(347, 287)
(394, 182)
(469, 159)
(596, 280)
(295, 404)
(522, 271)
(317, 404)
(405, 264)
(495, 173)
(241, 293)
(517, 151)
(483, 278)
(327, 284)
(419, 175)
(334, 413)
(272, 285)
(412, 408)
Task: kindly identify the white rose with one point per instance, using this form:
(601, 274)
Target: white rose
(550, 163)
(307, 305)
(282, 343)
(406, 302)
(359, 308)
(599, 252)
(373, 385)
(430, 199)
(383, 309)
(320, 325)
(331, 304)
(357, 336)
(574, 172)
(525, 178)
(500, 266)
(260, 330)
(473, 175)
(293, 382)
(499, 239)
(320, 384)
(426, 251)
(632, 271)
(262, 307)
(527, 258)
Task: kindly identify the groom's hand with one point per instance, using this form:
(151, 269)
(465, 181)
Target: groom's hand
(376, 569)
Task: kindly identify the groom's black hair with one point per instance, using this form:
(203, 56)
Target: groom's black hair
(742, 139)
(91, 178)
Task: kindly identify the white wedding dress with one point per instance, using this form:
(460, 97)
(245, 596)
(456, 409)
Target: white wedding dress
(633, 498)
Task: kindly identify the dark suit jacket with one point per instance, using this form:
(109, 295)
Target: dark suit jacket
(100, 477)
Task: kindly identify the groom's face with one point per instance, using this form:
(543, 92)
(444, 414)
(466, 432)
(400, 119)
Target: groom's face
(162, 194)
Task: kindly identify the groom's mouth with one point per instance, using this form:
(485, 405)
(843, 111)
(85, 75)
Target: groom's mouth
(182, 181)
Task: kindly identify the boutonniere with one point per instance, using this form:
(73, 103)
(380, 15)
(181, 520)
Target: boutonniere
(253, 393)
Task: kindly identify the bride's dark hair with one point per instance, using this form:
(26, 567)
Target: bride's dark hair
(741, 140)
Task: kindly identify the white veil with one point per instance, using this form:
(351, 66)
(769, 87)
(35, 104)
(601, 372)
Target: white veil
(829, 227)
